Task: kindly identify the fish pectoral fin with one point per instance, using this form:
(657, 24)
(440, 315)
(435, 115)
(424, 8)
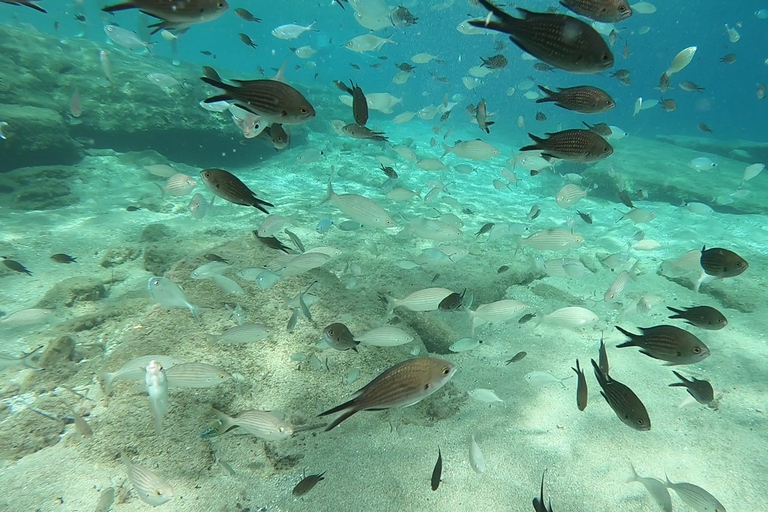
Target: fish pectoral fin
(340, 419)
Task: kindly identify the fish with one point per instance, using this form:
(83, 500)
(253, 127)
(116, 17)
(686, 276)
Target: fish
(669, 105)
(339, 337)
(15, 266)
(151, 488)
(246, 333)
(195, 375)
(538, 503)
(295, 239)
(452, 302)
(175, 14)
(229, 187)
(385, 336)
(690, 87)
(247, 41)
(198, 206)
(365, 211)
(157, 389)
(583, 98)
(401, 385)
(553, 240)
(696, 497)
(25, 3)
(575, 145)
(701, 390)
(705, 317)
(560, 40)
(292, 31)
(472, 149)
(122, 37)
(539, 378)
(601, 129)
(476, 458)
(261, 424)
(63, 258)
(135, 369)
(179, 185)
(603, 357)
(356, 131)
(681, 60)
(481, 115)
(169, 294)
(273, 243)
(245, 15)
(664, 82)
(517, 357)
(604, 11)
(106, 500)
(7, 361)
(273, 100)
(437, 472)
(308, 482)
(359, 103)
(484, 395)
(526, 318)
(667, 343)
(655, 488)
(728, 59)
(721, 263)
(498, 61)
(586, 217)
(624, 402)
(582, 392)
(428, 299)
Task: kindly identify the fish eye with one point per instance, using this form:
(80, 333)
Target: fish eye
(641, 421)
(606, 57)
(446, 370)
(622, 9)
(221, 5)
(281, 429)
(696, 350)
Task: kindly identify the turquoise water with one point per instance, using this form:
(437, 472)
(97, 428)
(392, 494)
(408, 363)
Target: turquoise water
(79, 185)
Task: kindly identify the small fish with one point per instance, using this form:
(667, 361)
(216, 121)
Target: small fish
(476, 458)
(526, 318)
(15, 266)
(574, 145)
(498, 61)
(324, 225)
(339, 337)
(667, 343)
(229, 187)
(728, 59)
(703, 127)
(63, 258)
(151, 488)
(503, 269)
(198, 206)
(293, 320)
(437, 472)
(308, 482)
(581, 389)
(292, 31)
(157, 389)
(261, 424)
(624, 402)
(701, 390)
(540, 116)
(484, 395)
(586, 217)
(481, 115)
(240, 334)
(403, 384)
(273, 243)
(247, 41)
(245, 15)
(385, 336)
(559, 40)
(705, 317)
(453, 302)
(538, 378)
(585, 99)
(81, 426)
(720, 262)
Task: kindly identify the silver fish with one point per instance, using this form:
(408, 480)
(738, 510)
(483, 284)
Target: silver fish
(151, 488)
(157, 389)
(245, 333)
(261, 424)
(655, 488)
(401, 385)
(696, 497)
(169, 294)
(195, 375)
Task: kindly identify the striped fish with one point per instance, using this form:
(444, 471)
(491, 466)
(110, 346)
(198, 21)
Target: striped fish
(365, 211)
(696, 497)
(151, 488)
(655, 488)
(261, 424)
(623, 401)
(553, 240)
(427, 299)
(574, 145)
(667, 343)
(274, 101)
(195, 375)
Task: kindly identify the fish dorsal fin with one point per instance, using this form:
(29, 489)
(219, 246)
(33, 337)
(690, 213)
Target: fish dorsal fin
(280, 76)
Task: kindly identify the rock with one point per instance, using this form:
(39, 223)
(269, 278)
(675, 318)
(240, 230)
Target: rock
(118, 255)
(39, 188)
(57, 353)
(35, 136)
(156, 233)
(70, 291)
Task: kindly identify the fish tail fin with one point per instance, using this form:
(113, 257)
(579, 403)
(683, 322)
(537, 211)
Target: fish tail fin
(446, 149)
(162, 191)
(340, 419)
(349, 409)
(108, 379)
(226, 421)
(533, 147)
(280, 76)
(216, 83)
(677, 312)
(390, 301)
(634, 477)
(496, 11)
(602, 379)
(119, 7)
(548, 97)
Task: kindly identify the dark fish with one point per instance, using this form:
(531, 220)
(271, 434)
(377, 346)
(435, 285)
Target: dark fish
(581, 388)
(63, 258)
(481, 115)
(703, 127)
(339, 337)
(215, 257)
(526, 318)
(623, 76)
(690, 87)
(273, 100)
(540, 116)
(307, 483)
(272, 242)
(664, 82)
(557, 39)
(342, 86)
(246, 39)
(404, 66)
(438, 471)
(722, 262)
(495, 62)
(701, 390)
(207, 53)
(623, 401)
(540, 66)
(389, 171)
(80, 18)
(667, 343)
(175, 12)
(728, 59)
(517, 357)
(625, 199)
(293, 320)
(582, 98)
(132, 208)
(601, 129)
(354, 66)
(668, 104)
(295, 239)
(211, 73)
(228, 186)
(503, 269)
(605, 11)
(452, 302)
(401, 385)
(603, 357)
(356, 131)
(15, 266)
(403, 17)
(705, 317)
(538, 503)
(575, 145)
(359, 104)
(486, 228)
(586, 217)
(25, 3)
(246, 15)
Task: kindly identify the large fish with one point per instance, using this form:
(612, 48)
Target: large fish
(557, 39)
(667, 343)
(401, 385)
(575, 145)
(228, 186)
(623, 401)
(175, 11)
(274, 101)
